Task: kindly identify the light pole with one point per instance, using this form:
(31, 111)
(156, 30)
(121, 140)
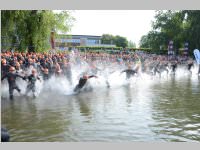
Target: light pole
(52, 40)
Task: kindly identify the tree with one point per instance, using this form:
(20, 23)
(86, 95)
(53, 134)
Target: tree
(131, 44)
(144, 42)
(179, 26)
(153, 40)
(192, 27)
(107, 39)
(121, 41)
(170, 24)
(32, 28)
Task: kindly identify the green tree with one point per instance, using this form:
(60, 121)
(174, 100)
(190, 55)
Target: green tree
(144, 42)
(192, 28)
(32, 28)
(121, 41)
(153, 40)
(179, 26)
(170, 25)
(107, 39)
(131, 44)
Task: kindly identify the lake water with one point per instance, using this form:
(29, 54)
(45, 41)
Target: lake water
(149, 109)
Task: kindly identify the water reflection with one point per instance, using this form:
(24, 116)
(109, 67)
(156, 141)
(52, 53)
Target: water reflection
(148, 110)
(84, 104)
(174, 111)
(128, 95)
(26, 123)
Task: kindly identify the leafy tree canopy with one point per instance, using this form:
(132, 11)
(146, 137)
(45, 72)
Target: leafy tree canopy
(179, 26)
(32, 28)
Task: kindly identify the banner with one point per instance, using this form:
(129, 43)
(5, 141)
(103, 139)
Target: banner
(171, 48)
(197, 55)
(186, 49)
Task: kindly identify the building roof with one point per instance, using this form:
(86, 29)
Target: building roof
(88, 36)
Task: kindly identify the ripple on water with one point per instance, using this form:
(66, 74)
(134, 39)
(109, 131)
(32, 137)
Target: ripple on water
(150, 110)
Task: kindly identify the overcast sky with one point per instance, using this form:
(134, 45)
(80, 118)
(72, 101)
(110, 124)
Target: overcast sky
(131, 24)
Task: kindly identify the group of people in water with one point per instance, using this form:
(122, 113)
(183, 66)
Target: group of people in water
(42, 66)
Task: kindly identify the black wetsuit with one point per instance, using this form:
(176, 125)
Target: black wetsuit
(31, 86)
(190, 66)
(11, 77)
(156, 69)
(4, 69)
(82, 82)
(129, 73)
(5, 137)
(174, 66)
(160, 68)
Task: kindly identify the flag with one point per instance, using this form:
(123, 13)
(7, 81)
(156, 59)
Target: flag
(197, 55)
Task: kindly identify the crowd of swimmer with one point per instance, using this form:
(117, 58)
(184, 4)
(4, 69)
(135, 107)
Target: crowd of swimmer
(43, 66)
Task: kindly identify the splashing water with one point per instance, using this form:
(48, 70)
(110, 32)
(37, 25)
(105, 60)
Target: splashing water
(115, 79)
(60, 85)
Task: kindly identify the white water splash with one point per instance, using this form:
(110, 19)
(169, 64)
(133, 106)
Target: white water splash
(61, 86)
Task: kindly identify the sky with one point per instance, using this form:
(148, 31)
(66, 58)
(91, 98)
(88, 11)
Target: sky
(132, 24)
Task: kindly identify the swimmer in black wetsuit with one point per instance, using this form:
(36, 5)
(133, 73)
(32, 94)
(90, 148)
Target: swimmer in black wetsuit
(11, 77)
(160, 68)
(156, 69)
(82, 82)
(32, 80)
(174, 67)
(189, 66)
(4, 67)
(129, 72)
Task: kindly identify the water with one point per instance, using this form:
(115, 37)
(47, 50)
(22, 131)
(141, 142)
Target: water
(149, 109)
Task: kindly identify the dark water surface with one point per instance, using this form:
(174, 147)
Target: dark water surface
(161, 110)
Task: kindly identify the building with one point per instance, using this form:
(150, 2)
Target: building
(63, 41)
